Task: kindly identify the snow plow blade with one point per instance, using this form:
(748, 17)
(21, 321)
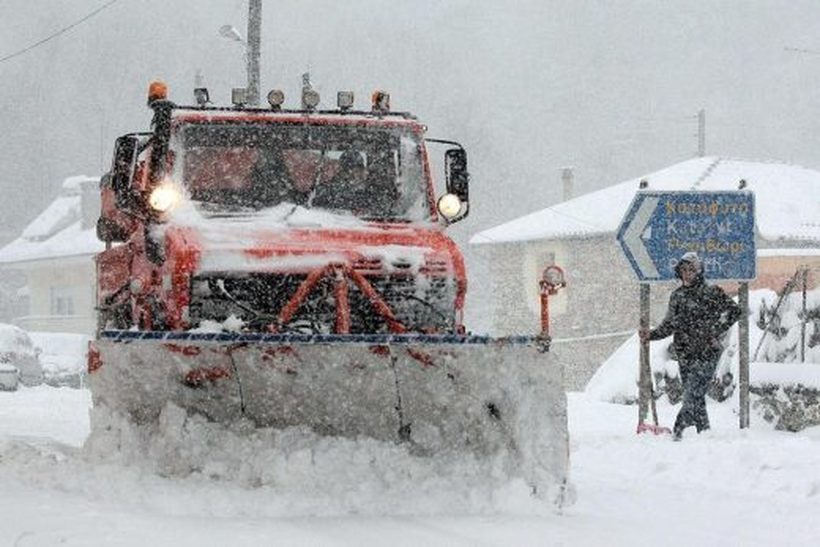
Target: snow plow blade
(489, 397)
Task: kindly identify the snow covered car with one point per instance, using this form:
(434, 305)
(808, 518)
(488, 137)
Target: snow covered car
(62, 356)
(8, 377)
(17, 350)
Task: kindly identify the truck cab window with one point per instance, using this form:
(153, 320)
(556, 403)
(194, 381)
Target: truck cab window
(373, 173)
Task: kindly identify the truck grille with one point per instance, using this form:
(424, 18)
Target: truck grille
(421, 303)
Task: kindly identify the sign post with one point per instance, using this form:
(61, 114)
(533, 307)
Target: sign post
(645, 372)
(743, 354)
(659, 227)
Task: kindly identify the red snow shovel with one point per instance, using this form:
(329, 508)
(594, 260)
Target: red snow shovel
(652, 428)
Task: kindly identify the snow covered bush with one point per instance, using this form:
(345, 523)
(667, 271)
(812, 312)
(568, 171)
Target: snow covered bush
(782, 321)
(786, 391)
(617, 378)
(787, 394)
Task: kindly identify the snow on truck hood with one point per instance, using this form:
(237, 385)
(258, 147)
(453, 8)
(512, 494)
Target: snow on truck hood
(288, 237)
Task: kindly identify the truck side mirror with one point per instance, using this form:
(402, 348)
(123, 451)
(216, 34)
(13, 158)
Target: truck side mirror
(455, 168)
(122, 170)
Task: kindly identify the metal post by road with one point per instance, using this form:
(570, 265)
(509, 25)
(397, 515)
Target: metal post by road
(805, 316)
(545, 313)
(743, 354)
(645, 377)
(254, 43)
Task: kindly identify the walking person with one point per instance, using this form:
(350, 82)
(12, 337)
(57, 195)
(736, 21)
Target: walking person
(698, 315)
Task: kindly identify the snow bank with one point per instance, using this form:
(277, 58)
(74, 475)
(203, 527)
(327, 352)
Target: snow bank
(616, 380)
(58, 414)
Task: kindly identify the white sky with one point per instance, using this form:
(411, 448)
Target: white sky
(611, 88)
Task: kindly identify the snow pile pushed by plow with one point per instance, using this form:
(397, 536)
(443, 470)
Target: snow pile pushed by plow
(295, 472)
(247, 408)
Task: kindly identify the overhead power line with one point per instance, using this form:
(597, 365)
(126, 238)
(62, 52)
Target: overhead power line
(802, 50)
(58, 33)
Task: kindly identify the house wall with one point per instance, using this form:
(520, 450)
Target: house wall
(600, 306)
(590, 317)
(775, 271)
(61, 279)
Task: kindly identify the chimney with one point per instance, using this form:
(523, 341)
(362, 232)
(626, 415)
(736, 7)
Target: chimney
(568, 179)
(89, 203)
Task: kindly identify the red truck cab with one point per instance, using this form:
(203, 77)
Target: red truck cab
(268, 220)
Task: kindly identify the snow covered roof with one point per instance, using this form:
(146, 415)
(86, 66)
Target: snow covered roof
(61, 213)
(787, 198)
(57, 231)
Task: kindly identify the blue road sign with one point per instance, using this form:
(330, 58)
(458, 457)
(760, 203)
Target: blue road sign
(659, 227)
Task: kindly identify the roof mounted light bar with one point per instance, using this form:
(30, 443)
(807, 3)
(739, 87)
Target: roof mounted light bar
(201, 96)
(157, 91)
(344, 100)
(239, 96)
(275, 99)
(380, 102)
(262, 110)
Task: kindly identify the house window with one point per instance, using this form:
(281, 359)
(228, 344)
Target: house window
(62, 301)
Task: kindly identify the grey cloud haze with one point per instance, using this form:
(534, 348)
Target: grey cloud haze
(611, 88)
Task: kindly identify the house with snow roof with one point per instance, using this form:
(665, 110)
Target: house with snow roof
(599, 306)
(55, 254)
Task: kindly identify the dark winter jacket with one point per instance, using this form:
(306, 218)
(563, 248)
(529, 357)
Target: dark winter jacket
(697, 316)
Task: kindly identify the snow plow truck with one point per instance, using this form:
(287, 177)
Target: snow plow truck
(289, 267)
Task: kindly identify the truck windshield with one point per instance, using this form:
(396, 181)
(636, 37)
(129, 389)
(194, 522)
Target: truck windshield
(371, 172)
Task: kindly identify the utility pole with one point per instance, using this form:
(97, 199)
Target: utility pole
(802, 50)
(253, 46)
(701, 132)
(568, 180)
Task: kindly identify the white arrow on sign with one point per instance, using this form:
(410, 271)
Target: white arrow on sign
(633, 240)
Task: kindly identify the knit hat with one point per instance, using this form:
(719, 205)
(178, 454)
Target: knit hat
(692, 258)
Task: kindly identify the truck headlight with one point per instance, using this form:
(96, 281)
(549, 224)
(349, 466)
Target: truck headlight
(449, 206)
(164, 197)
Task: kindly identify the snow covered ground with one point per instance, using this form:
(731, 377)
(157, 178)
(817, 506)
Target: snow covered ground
(727, 487)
